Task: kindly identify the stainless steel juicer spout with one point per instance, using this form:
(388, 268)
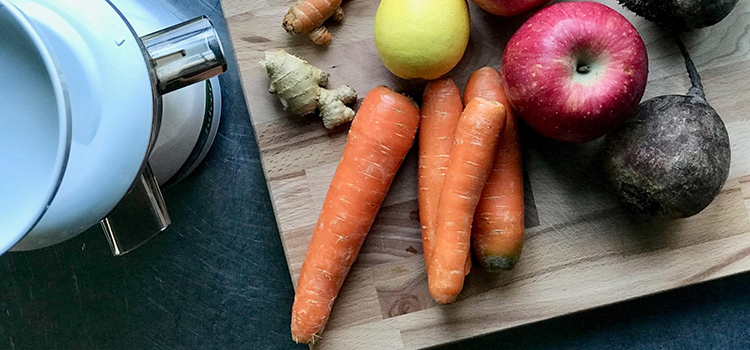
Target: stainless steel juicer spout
(185, 54)
(181, 55)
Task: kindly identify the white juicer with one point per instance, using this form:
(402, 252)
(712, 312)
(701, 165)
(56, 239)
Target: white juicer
(132, 111)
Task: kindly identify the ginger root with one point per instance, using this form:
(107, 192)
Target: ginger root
(308, 16)
(301, 89)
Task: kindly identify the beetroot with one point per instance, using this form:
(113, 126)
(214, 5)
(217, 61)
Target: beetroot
(672, 158)
(682, 15)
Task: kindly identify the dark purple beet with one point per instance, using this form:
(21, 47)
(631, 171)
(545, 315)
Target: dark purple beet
(671, 158)
(682, 14)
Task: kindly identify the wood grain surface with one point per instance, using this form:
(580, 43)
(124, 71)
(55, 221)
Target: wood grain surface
(582, 251)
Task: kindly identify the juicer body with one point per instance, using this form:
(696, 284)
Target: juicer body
(116, 81)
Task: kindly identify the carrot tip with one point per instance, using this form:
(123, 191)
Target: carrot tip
(441, 296)
(498, 263)
(444, 299)
(313, 338)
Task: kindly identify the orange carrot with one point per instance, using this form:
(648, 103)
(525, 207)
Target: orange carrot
(379, 139)
(441, 108)
(486, 82)
(307, 16)
(497, 234)
(471, 159)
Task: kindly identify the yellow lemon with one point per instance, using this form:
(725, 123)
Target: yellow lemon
(421, 38)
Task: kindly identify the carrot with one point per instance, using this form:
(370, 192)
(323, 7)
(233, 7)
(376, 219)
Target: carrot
(379, 139)
(471, 159)
(308, 16)
(441, 108)
(497, 234)
(486, 82)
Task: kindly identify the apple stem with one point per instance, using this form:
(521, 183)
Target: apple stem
(695, 78)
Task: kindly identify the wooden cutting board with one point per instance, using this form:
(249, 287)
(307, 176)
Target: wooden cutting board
(582, 251)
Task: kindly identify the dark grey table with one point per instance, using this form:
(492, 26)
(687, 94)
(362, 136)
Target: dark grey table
(217, 278)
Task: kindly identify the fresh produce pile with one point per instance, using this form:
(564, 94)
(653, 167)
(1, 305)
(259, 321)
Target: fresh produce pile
(574, 72)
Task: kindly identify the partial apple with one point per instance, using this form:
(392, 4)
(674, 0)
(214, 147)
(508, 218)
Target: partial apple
(575, 71)
(510, 8)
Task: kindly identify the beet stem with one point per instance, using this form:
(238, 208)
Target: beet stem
(695, 78)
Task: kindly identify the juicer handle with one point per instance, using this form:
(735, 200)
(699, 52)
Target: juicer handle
(140, 216)
(184, 54)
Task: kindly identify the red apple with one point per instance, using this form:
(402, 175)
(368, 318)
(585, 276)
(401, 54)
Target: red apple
(575, 71)
(509, 8)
